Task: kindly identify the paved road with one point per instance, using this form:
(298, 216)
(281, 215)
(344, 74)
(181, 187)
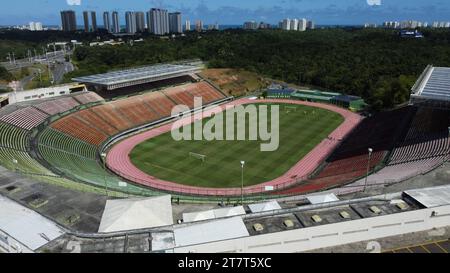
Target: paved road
(51, 56)
(61, 69)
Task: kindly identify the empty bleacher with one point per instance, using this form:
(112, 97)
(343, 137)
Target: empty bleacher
(90, 117)
(76, 128)
(77, 160)
(349, 161)
(135, 111)
(56, 106)
(160, 103)
(427, 137)
(88, 97)
(206, 91)
(13, 137)
(26, 118)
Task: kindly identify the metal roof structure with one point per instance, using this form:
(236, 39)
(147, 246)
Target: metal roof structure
(27, 226)
(135, 76)
(433, 84)
(431, 197)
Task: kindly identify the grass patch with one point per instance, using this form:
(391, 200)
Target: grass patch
(301, 129)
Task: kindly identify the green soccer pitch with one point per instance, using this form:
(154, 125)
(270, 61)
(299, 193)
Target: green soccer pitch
(216, 164)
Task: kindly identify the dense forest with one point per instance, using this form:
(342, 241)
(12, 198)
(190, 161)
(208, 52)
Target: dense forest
(376, 64)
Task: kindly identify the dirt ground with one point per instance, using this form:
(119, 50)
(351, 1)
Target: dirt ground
(235, 82)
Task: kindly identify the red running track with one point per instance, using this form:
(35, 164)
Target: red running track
(119, 162)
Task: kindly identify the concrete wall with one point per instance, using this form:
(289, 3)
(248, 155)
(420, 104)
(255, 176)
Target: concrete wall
(305, 239)
(40, 93)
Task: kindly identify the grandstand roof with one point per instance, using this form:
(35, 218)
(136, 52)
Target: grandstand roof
(433, 84)
(129, 77)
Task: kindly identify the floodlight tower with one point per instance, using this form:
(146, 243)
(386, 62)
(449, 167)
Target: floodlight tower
(370, 150)
(103, 155)
(242, 182)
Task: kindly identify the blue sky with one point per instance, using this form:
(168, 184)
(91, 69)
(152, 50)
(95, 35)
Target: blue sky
(238, 11)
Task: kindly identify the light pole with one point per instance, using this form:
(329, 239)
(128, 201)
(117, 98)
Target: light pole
(370, 150)
(242, 182)
(15, 164)
(103, 155)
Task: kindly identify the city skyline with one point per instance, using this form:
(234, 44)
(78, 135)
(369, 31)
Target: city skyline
(236, 12)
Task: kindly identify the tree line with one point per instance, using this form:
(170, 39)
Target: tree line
(376, 64)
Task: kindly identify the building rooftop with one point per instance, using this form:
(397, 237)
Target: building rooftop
(433, 84)
(134, 76)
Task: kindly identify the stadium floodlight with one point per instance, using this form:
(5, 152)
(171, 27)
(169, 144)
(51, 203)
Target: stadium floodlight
(242, 181)
(15, 163)
(103, 155)
(370, 150)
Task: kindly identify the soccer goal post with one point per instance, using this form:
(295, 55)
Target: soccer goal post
(290, 108)
(197, 156)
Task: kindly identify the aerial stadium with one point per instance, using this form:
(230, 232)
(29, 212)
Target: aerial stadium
(111, 155)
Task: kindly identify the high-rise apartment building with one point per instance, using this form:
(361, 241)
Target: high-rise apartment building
(115, 22)
(130, 22)
(294, 24)
(140, 21)
(106, 21)
(86, 21)
(175, 25)
(94, 21)
(250, 25)
(199, 25)
(188, 25)
(68, 20)
(302, 24)
(286, 25)
(158, 21)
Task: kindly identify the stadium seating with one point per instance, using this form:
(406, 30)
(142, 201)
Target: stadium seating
(13, 137)
(26, 118)
(89, 117)
(159, 103)
(78, 160)
(402, 171)
(56, 106)
(135, 111)
(74, 127)
(180, 96)
(206, 91)
(349, 161)
(21, 161)
(88, 97)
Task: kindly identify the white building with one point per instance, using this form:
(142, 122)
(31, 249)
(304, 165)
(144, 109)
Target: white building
(188, 25)
(294, 24)
(286, 24)
(302, 23)
(35, 26)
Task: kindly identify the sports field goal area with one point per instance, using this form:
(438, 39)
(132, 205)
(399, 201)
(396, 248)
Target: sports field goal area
(197, 156)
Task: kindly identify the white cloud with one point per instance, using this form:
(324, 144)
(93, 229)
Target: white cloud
(73, 2)
(374, 2)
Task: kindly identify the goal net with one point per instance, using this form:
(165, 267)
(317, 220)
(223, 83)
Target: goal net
(289, 109)
(197, 156)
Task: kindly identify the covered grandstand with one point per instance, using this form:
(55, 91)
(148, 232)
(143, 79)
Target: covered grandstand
(137, 76)
(432, 88)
